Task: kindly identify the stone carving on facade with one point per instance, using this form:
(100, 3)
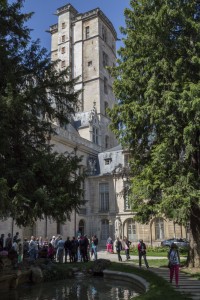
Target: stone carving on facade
(118, 228)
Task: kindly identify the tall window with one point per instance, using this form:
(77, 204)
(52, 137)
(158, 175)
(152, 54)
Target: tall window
(63, 38)
(105, 108)
(106, 142)
(104, 196)
(87, 32)
(126, 196)
(105, 59)
(95, 134)
(63, 25)
(131, 230)
(159, 228)
(104, 34)
(81, 227)
(105, 85)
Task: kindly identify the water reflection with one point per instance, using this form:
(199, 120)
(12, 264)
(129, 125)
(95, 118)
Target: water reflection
(82, 288)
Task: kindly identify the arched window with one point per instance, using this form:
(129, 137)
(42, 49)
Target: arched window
(159, 229)
(81, 227)
(95, 134)
(131, 230)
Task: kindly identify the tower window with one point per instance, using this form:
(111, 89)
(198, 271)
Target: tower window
(63, 25)
(63, 38)
(105, 59)
(87, 32)
(105, 108)
(90, 63)
(105, 85)
(63, 50)
(104, 34)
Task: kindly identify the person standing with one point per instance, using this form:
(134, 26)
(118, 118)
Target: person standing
(2, 240)
(109, 245)
(33, 248)
(118, 246)
(8, 242)
(16, 237)
(60, 250)
(127, 244)
(94, 246)
(174, 262)
(142, 253)
(67, 246)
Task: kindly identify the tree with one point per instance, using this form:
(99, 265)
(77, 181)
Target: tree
(33, 95)
(157, 82)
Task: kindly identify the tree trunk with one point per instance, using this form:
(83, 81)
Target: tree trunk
(194, 252)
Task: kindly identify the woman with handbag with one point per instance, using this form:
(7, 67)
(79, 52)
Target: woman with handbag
(174, 263)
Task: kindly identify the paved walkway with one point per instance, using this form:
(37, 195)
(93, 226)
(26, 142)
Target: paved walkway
(187, 284)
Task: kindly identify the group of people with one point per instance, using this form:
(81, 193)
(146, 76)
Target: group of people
(117, 246)
(57, 249)
(173, 257)
(77, 249)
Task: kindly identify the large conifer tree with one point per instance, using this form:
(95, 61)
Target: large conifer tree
(34, 180)
(158, 114)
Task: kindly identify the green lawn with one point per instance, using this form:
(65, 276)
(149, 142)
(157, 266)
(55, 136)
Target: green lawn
(158, 251)
(156, 262)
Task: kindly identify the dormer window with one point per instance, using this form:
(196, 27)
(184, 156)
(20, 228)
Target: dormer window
(108, 161)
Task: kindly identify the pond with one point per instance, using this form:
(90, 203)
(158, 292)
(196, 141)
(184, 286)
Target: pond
(80, 288)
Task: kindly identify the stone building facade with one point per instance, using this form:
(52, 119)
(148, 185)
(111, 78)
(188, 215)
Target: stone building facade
(86, 42)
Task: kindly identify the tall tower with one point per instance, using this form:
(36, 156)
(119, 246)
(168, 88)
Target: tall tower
(86, 42)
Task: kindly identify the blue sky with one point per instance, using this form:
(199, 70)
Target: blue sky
(44, 14)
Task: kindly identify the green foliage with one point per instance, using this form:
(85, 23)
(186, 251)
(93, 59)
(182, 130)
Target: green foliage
(34, 95)
(158, 117)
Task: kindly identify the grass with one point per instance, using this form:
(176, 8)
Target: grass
(157, 262)
(159, 251)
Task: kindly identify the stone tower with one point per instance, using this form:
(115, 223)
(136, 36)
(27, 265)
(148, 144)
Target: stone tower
(86, 42)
